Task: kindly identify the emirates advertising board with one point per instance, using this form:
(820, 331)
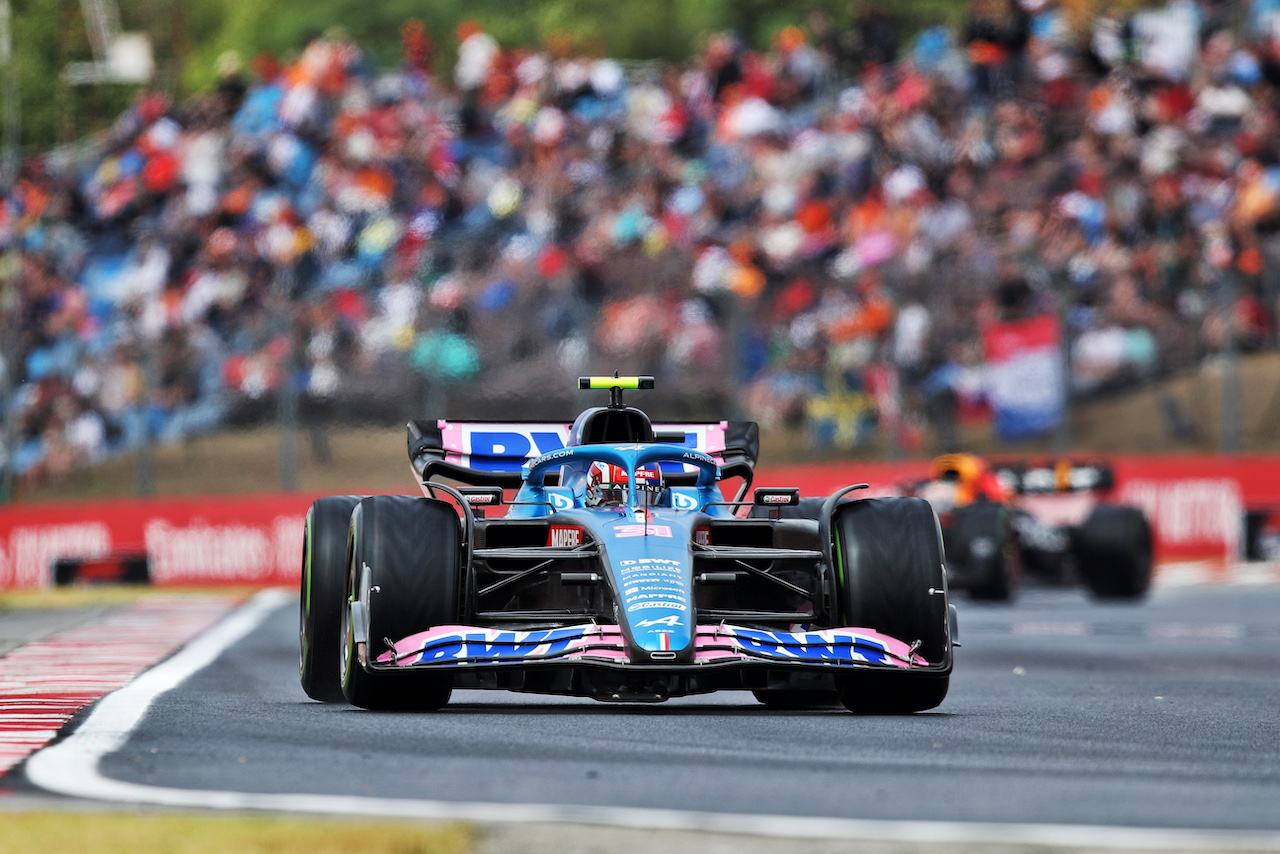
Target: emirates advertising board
(1201, 508)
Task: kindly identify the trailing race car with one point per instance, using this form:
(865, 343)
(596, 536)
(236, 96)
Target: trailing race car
(1051, 521)
(619, 572)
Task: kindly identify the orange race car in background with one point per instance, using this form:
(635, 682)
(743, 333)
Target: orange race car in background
(1051, 521)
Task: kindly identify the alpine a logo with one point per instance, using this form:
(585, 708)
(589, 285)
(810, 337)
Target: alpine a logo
(670, 621)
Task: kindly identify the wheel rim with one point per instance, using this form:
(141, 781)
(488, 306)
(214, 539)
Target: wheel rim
(345, 650)
(302, 638)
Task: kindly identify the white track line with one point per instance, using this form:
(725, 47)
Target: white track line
(45, 683)
(70, 767)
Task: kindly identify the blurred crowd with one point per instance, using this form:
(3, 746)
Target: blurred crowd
(812, 234)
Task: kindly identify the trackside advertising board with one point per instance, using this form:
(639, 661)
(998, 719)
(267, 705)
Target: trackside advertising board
(1197, 506)
(187, 541)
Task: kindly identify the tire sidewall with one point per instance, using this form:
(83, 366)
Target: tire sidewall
(404, 568)
(322, 590)
(991, 574)
(889, 552)
(1114, 552)
(891, 579)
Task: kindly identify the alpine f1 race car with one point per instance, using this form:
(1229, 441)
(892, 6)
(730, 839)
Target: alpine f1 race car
(619, 571)
(1050, 521)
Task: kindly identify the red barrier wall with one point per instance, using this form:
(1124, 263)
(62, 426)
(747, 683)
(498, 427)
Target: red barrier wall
(1196, 505)
(218, 540)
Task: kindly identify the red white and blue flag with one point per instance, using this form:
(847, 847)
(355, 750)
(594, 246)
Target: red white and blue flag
(1024, 376)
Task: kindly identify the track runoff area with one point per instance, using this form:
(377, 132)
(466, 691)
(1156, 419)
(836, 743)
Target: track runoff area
(203, 629)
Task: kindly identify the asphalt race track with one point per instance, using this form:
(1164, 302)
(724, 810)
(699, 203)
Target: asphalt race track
(1062, 711)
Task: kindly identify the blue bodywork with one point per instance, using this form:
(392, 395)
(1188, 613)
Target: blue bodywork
(659, 593)
(646, 548)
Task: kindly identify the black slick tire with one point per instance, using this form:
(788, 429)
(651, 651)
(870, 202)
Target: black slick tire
(1114, 554)
(981, 541)
(404, 569)
(890, 578)
(323, 588)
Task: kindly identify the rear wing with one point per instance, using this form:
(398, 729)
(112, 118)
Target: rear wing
(491, 453)
(1056, 476)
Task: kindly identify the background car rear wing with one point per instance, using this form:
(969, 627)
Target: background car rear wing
(1053, 476)
(491, 453)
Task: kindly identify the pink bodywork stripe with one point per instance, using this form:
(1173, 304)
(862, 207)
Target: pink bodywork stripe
(714, 644)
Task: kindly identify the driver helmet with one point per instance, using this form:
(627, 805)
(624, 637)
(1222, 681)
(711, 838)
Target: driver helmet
(973, 478)
(964, 469)
(606, 485)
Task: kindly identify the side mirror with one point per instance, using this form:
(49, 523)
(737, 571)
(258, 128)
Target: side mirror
(480, 497)
(769, 497)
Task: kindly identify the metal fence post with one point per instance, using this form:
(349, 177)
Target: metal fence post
(1231, 440)
(287, 400)
(10, 307)
(144, 467)
(11, 296)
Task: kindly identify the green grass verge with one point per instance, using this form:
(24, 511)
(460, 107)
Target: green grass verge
(111, 833)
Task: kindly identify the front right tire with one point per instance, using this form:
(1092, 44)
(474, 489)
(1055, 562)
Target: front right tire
(890, 578)
(324, 575)
(404, 568)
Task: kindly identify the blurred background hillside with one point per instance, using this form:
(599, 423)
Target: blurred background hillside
(257, 239)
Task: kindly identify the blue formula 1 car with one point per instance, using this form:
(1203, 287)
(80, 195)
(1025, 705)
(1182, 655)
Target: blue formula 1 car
(619, 571)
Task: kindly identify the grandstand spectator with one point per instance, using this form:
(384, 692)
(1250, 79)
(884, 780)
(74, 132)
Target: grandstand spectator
(744, 220)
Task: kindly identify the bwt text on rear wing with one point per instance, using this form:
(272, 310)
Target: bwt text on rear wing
(491, 453)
